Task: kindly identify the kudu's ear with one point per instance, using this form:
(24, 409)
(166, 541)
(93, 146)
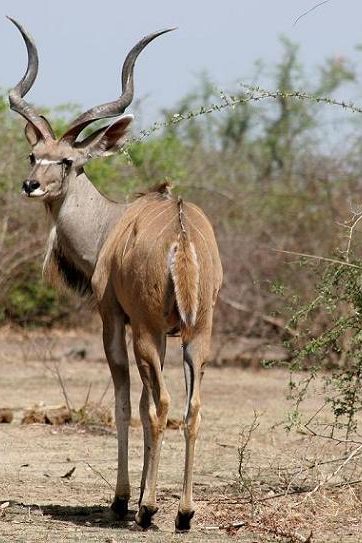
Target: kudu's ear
(109, 140)
(32, 134)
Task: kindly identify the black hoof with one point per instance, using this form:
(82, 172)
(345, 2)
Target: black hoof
(120, 507)
(183, 521)
(144, 516)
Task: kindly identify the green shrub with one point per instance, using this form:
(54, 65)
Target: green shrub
(31, 302)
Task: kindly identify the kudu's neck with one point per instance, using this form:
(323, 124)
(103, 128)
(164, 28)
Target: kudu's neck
(83, 220)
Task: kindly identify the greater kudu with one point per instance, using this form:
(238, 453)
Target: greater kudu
(153, 264)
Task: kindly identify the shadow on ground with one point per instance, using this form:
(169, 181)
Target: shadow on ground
(93, 515)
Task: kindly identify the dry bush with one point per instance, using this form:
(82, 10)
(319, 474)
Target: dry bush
(93, 415)
(88, 416)
(41, 414)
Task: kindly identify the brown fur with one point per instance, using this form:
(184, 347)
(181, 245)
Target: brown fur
(145, 248)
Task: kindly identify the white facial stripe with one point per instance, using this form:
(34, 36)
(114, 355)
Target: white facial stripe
(46, 162)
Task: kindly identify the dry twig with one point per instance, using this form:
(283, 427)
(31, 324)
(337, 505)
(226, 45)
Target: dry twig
(331, 475)
(278, 323)
(317, 257)
(62, 385)
(99, 474)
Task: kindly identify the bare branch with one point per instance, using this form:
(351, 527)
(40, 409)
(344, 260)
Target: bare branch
(316, 257)
(279, 323)
(316, 6)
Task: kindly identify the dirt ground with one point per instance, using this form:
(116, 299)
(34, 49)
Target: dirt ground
(46, 506)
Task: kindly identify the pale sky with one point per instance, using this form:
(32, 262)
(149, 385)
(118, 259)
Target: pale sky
(82, 44)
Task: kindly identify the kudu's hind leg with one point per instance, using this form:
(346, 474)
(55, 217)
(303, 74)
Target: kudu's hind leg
(114, 339)
(144, 409)
(154, 406)
(194, 354)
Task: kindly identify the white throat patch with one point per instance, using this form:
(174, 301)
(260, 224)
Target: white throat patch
(35, 193)
(46, 162)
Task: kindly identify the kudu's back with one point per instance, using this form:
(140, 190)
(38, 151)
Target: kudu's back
(163, 264)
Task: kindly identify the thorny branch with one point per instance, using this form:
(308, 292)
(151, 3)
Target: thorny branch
(330, 437)
(357, 216)
(252, 94)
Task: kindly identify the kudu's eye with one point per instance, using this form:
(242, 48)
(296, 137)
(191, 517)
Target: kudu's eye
(31, 159)
(67, 162)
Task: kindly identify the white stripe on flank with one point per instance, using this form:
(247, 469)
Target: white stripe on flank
(129, 235)
(153, 219)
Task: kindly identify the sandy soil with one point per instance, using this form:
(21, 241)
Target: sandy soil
(45, 506)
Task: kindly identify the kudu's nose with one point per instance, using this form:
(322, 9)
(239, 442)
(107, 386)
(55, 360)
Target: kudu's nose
(29, 185)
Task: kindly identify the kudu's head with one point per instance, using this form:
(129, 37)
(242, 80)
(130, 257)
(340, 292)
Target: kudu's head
(55, 161)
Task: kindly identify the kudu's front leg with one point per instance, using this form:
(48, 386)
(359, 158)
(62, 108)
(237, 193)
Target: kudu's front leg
(114, 339)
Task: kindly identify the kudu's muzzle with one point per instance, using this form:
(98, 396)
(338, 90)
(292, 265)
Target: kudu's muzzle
(30, 185)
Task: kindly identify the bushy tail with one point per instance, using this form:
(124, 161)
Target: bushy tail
(184, 269)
